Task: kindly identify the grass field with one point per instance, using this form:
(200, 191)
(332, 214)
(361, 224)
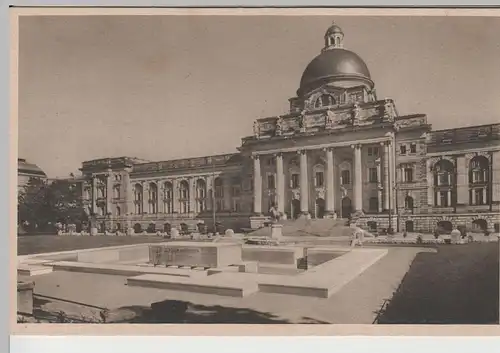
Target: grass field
(36, 244)
(457, 285)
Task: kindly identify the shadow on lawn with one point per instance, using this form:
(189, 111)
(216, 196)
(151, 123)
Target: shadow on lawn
(457, 285)
(176, 311)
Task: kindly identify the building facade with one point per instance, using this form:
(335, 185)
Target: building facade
(339, 152)
(27, 171)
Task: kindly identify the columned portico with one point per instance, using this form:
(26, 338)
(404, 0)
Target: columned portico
(330, 182)
(257, 186)
(280, 183)
(358, 179)
(304, 184)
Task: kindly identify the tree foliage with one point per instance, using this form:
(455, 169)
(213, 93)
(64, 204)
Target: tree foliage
(41, 205)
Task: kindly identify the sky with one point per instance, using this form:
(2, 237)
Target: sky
(164, 87)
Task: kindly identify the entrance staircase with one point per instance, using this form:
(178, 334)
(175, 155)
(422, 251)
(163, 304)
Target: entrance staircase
(311, 227)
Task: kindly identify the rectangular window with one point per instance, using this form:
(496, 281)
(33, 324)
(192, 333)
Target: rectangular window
(295, 181)
(345, 177)
(373, 175)
(402, 149)
(270, 182)
(413, 148)
(479, 197)
(373, 151)
(319, 179)
(443, 198)
(408, 175)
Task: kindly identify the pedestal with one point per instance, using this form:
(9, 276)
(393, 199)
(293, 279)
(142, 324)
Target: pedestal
(25, 297)
(276, 231)
(93, 231)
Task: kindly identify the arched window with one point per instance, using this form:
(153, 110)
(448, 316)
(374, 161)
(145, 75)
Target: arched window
(443, 173)
(138, 195)
(479, 225)
(168, 199)
(319, 175)
(479, 169)
(409, 203)
(444, 180)
(116, 191)
(201, 194)
(184, 196)
(219, 188)
(235, 186)
(153, 198)
(324, 100)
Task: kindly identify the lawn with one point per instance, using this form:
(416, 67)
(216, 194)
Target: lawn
(457, 285)
(36, 244)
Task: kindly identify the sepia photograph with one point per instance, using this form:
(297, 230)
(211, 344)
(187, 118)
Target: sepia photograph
(258, 169)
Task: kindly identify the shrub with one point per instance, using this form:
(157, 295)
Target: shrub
(390, 231)
(470, 239)
(436, 234)
(487, 233)
(405, 234)
(419, 239)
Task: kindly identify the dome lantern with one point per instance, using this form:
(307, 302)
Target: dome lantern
(335, 66)
(334, 37)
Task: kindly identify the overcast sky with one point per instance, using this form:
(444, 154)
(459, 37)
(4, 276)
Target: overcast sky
(162, 87)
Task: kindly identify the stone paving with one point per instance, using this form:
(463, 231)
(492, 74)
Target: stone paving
(356, 302)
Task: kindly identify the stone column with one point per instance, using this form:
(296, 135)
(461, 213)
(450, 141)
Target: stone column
(160, 207)
(495, 176)
(129, 194)
(358, 179)
(386, 162)
(430, 182)
(462, 181)
(192, 195)
(330, 182)
(94, 194)
(145, 197)
(257, 186)
(109, 191)
(304, 184)
(226, 184)
(280, 183)
(393, 176)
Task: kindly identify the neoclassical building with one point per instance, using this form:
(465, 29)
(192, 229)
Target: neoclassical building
(340, 152)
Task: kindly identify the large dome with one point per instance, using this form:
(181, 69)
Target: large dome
(331, 64)
(335, 64)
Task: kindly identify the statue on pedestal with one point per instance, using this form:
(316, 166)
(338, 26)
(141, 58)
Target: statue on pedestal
(330, 119)
(279, 126)
(256, 129)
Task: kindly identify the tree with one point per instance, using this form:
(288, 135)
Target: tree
(41, 205)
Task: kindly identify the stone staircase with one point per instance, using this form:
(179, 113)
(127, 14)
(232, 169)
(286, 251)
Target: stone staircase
(311, 227)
